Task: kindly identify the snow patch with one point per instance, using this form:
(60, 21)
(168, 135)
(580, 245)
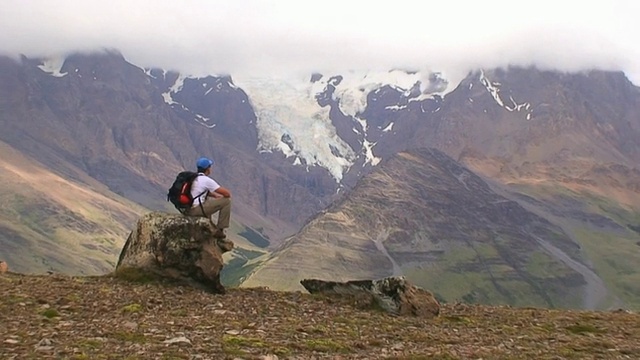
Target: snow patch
(288, 109)
(491, 88)
(148, 73)
(388, 128)
(354, 88)
(395, 107)
(369, 157)
(176, 87)
(53, 66)
(204, 121)
(494, 89)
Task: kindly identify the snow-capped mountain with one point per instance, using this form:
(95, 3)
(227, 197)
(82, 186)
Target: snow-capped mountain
(294, 116)
(290, 148)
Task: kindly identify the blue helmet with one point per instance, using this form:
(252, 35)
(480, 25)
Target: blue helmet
(204, 163)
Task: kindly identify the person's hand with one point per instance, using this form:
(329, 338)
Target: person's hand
(215, 195)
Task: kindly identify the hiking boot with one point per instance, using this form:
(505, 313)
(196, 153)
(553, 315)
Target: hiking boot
(219, 234)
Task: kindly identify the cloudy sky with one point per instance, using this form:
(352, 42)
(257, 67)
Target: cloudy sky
(277, 37)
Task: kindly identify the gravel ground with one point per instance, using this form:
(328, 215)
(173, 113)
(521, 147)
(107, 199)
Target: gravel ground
(59, 317)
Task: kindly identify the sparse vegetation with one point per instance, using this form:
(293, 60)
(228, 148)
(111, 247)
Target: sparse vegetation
(465, 274)
(127, 336)
(599, 225)
(135, 275)
(615, 260)
(584, 329)
(327, 345)
(180, 322)
(132, 308)
(50, 313)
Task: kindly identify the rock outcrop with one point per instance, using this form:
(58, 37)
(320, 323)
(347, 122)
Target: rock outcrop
(3, 267)
(393, 294)
(176, 247)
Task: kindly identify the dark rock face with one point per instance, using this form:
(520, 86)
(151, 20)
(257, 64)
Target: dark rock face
(177, 247)
(530, 115)
(393, 294)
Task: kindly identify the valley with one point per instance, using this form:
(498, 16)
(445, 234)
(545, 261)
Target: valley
(511, 186)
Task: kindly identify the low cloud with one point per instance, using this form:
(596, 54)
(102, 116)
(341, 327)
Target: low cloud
(285, 37)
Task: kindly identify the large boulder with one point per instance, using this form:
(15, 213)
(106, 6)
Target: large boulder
(393, 294)
(177, 247)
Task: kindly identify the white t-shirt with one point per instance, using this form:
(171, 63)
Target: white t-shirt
(201, 185)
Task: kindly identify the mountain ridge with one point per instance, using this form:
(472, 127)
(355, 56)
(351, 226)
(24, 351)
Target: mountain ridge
(560, 144)
(394, 223)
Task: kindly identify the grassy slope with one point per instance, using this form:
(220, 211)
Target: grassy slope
(78, 227)
(448, 241)
(48, 222)
(611, 247)
(455, 277)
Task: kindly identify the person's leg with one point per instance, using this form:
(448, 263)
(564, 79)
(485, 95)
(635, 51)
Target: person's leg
(223, 205)
(197, 211)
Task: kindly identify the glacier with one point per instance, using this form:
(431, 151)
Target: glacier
(288, 108)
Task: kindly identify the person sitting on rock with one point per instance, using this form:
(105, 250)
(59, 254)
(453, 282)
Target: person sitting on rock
(209, 197)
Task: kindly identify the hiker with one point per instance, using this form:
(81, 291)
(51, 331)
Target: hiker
(209, 197)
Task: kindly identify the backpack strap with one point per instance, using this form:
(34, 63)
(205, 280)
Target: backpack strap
(199, 196)
(202, 207)
(200, 201)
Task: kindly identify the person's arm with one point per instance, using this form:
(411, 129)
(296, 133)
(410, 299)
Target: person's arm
(215, 190)
(222, 192)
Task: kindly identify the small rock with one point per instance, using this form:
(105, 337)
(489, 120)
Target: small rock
(213, 306)
(177, 340)
(394, 294)
(232, 332)
(45, 342)
(11, 341)
(130, 325)
(269, 357)
(44, 345)
(219, 312)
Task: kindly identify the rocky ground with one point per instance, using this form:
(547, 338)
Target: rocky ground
(60, 317)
